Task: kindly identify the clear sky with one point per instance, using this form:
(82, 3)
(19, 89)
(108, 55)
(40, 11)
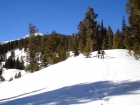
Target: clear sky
(63, 16)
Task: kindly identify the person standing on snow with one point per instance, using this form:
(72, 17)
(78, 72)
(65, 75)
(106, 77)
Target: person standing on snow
(102, 56)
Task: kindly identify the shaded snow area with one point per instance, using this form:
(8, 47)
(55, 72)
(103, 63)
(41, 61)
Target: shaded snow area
(114, 80)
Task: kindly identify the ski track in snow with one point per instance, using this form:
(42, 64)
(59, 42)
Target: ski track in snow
(102, 94)
(109, 68)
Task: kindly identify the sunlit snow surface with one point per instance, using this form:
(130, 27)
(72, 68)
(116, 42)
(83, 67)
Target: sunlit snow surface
(114, 80)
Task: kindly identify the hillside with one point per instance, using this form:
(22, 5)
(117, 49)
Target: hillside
(114, 80)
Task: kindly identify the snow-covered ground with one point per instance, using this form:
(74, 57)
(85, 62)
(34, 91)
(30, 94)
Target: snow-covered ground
(114, 80)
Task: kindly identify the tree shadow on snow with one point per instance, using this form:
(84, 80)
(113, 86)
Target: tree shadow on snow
(78, 94)
(21, 95)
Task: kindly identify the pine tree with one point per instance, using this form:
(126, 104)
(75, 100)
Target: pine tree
(117, 40)
(128, 40)
(51, 46)
(123, 26)
(104, 44)
(102, 36)
(11, 79)
(123, 32)
(32, 47)
(16, 64)
(54, 59)
(1, 69)
(88, 27)
(21, 64)
(16, 76)
(91, 23)
(87, 50)
(62, 50)
(133, 9)
(62, 54)
(19, 74)
(9, 64)
(105, 39)
(13, 54)
(25, 43)
(42, 50)
(82, 40)
(75, 42)
(109, 40)
(67, 43)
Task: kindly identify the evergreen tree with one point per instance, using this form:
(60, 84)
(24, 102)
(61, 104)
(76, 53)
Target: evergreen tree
(19, 74)
(67, 43)
(1, 69)
(87, 50)
(17, 64)
(62, 54)
(102, 36)
(32, 47)
(117, 39)
(104, 44)
(128, 40)
(123, 32)
(133, 9)
(123, 26)
(25, 43)
(88, 27)
(82, 40)
(21, 64)
(42, 50)
(51, 46)
(109, 40)
(9, 64)
(11, 79)
(75, 42)
(105, 39)
(16, 76)
(13, 54)
(91, 23)
(54, 59)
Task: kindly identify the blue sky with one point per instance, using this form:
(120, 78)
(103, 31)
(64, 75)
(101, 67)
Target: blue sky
(63, 16)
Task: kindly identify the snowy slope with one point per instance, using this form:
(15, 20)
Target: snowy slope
(114, 80)
(7, 74)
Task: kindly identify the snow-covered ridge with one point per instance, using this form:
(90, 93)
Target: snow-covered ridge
(3, 42)
(114, 80)
(35, 35)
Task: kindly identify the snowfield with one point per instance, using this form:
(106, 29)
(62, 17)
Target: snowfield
(114, 80)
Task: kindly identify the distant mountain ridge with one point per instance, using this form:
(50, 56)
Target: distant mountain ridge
(35, 35)
(2, 42)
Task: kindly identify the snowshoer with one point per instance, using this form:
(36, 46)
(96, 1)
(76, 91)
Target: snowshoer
(102, 56)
